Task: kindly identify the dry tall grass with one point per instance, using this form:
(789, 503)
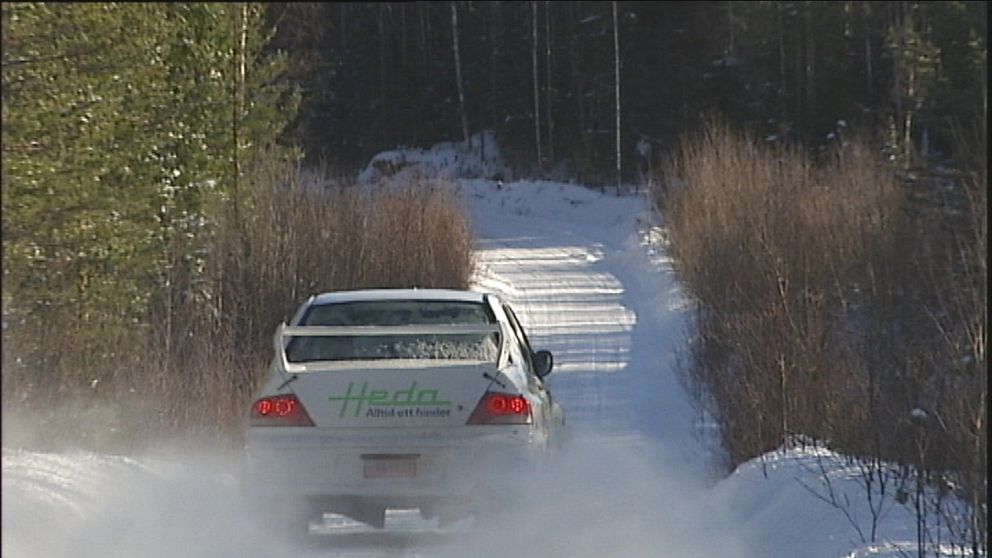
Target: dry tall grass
(773, 246)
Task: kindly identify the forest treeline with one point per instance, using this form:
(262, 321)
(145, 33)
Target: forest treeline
(377, 75)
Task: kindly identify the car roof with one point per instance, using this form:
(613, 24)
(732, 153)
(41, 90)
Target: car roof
(398, 294)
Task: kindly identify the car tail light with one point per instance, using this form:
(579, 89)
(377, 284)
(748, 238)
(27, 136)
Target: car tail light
(279, 410)
(501, 408)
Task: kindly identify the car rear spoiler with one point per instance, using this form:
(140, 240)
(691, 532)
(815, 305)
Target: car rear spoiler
(283, 332)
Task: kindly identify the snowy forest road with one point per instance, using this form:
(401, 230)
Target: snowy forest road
(588, 278)
(585, 274)
(577, 266)
(632, 480)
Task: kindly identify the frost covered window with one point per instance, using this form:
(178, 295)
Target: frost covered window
(483, 347)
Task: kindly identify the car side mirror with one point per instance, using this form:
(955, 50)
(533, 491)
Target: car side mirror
(543, 363)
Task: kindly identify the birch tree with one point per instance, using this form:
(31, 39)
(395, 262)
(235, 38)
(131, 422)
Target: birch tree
(537, 90)
(547, 85)
(616, 78)
(458, 70)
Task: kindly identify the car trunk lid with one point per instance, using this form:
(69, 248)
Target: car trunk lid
(393, 394)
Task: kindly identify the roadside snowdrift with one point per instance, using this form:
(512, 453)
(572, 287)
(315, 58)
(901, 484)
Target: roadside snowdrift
(85, 505)
(479, 157)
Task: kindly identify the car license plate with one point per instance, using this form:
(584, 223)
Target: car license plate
(386, 466)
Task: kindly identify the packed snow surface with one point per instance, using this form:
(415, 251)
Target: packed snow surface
(590, 279)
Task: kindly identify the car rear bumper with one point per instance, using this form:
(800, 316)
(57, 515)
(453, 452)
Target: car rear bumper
(449, 466)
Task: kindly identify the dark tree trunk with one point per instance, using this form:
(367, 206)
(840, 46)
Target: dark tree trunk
(458, 70)
(537, 89)
(810, 71)
(578, 81)
(548, 89)
(616, 67)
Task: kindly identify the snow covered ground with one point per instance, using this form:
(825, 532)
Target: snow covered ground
(586, 274)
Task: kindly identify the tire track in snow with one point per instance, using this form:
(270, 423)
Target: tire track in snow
(587, 288)
(589, 285)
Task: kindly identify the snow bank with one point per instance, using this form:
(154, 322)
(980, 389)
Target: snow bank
(480, 157)
(805, 500)
(85, 505)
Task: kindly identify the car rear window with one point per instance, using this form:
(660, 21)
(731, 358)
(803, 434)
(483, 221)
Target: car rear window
(398, 312)
(483, 347)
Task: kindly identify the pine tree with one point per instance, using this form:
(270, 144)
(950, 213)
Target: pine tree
(83, 88)
(116, 140)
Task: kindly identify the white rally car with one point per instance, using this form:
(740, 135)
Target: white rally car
(405, 398)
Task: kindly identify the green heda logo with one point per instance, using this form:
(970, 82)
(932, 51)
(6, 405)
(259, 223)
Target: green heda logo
(384, 398)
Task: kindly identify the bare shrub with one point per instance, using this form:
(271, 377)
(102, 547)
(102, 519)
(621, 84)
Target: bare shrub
(773, 245)
(836, 301)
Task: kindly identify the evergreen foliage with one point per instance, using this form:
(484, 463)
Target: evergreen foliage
(118, 140)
